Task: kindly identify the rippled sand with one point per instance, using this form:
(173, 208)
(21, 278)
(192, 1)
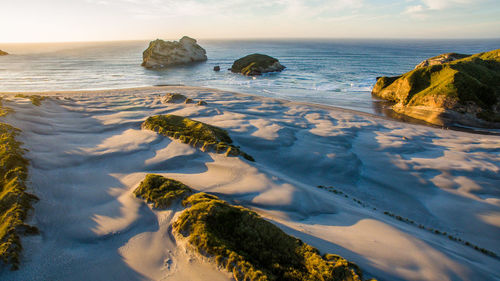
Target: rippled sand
(88, 153)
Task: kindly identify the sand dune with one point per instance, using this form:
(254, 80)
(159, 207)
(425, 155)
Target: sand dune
(88, 153)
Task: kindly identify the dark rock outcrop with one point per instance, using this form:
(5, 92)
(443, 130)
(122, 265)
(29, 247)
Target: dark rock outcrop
(256, 64)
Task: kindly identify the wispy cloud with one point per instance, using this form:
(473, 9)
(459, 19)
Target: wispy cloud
(423, 10)
(416, 11)
(264, 8)
(443, 4)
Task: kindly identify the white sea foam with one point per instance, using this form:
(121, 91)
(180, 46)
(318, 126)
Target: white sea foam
(315, 68)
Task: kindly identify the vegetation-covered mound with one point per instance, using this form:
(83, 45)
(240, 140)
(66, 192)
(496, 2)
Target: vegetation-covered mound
(3, 110)
(15, 202)
(256, 64)
(195, 133)
(179, 98)
(252, 248)
(161, 191)
(35, 99)
(174, 98)
(463, 90)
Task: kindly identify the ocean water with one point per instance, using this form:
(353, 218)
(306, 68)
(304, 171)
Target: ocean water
(333, 72)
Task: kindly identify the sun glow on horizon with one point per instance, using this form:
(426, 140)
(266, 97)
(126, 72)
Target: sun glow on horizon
(113, 20)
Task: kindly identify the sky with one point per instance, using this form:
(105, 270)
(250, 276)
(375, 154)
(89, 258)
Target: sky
(109, 20)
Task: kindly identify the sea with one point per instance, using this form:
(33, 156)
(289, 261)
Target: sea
(337, 72)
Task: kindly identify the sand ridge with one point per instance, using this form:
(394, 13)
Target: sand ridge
(88, 153)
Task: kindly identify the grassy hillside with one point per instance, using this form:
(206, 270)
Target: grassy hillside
(469, 85)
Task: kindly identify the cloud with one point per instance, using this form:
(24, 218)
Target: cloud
(443, 4)
(263, 8)
(315, 9)
(416, 11)
(422, 11)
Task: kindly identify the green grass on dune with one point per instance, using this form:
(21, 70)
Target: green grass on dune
(15, 202)
(4, 110)
(252, 248)
(240, 241)
(194, 133)
(35, 99)
(454, 85)
(187, 127)
(160, 191)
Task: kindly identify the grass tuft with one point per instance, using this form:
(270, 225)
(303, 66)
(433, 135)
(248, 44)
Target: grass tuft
(4, 110)
(35, 99)
(161, 191)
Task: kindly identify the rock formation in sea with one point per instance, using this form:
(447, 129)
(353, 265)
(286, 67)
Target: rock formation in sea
(161, 53)
(449, 89)
(2, 53)
(256, 64)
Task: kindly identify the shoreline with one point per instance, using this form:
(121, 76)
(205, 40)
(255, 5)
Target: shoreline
(386, 112)
(184, 87)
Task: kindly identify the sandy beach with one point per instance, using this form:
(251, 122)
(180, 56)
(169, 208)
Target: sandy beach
(395, 197)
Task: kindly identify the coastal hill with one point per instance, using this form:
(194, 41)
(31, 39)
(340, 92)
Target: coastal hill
(2, 53)
(161, 53)
(448, 89)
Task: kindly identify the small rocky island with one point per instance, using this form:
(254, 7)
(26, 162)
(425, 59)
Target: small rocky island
(450, 89)
(2, 53)
(161, 53)
(256, 64)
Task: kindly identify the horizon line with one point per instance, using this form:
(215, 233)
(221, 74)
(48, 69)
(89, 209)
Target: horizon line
(257, 38)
